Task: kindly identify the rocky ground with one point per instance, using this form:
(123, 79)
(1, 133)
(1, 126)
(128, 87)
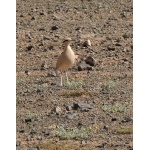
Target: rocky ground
(94, 111)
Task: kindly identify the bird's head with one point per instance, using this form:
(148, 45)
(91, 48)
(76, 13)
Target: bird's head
(67, 41)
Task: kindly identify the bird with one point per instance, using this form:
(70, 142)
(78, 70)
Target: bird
(66, 60)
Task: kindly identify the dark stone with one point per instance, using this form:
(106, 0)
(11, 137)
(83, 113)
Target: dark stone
(82, 106)
(55, 27)
(68, 108)
(52, 74)
(28, 120)
(28, 48)
(106, 127)
(22, 131)
(114, 119)
(91, 61)
(82, 66)
(18, 143)
(111, 48)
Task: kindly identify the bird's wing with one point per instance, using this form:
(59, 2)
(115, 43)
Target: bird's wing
(59, 61)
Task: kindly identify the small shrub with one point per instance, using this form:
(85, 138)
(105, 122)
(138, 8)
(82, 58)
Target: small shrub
(123, 130)
(114, 108)
(73, 85)
(74, 133)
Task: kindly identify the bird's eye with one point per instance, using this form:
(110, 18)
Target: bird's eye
(65, 41)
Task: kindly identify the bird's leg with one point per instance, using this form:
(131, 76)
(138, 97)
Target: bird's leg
(67, 77)
(60, 78)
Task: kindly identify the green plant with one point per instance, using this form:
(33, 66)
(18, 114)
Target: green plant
(43, 86)
(31, 115)
(73, 85)
(20, 81)
(109, 86)
(74, 133)
(113, 108)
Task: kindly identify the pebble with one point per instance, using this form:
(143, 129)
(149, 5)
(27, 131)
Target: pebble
(111, 48)
(106, 127)
(52, 74)
(54, 27)
(114, 119)
(68, 108)
(44, 66)
(26, 72)
(87, 43)
(82, 106)
(28, 48)
(18, 143)
(91, 61)
(82, 66)
(83, 142)
(28, 120)
(57, 110)
(71, 115)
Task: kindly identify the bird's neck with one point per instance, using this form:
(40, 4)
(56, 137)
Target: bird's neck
(67, 47)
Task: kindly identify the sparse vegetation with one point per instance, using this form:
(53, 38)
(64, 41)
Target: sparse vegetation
(42, 87)
(75, 84)
(109, 86)
(114, 108)
(74, 133)
(123, 130)
(20, 80)
(30, 115)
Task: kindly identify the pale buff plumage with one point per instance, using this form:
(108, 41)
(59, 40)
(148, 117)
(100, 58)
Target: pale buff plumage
(66, 59)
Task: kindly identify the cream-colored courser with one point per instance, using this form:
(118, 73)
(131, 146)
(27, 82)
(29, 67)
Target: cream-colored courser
(66, 59)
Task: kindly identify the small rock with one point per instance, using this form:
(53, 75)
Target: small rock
(22, 131)
(111, 48)
(82, 66)
(106, 127)
(68, 108)
(46, 133)
(91, 61)
(52, 74)
(71, 115)
(87, 43)
(46, 37)
(57, 110)
(126, 35)
(54, 27)
(83, 142)
(102, 145)
(18, 143)
(44, 66)
(32, 18)
(89, 68)
(50, 47)
(82, 106)
(32, 131)
(39, 138)
(26, 72)
(28, 120)
(114, 119)
(42, 29)
(127, 119)
(28, 48)
(118, 44)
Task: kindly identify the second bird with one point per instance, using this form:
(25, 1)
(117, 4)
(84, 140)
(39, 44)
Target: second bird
(66, 59)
